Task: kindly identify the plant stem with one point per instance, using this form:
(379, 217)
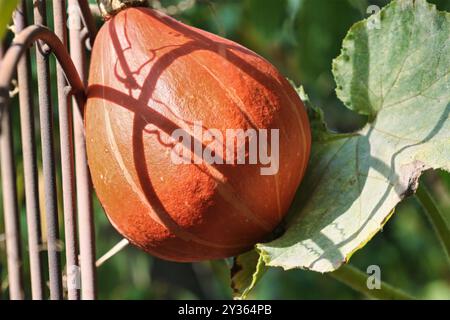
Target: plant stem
(357, 280)
(109, 8)
(435, 216)
(112, 252)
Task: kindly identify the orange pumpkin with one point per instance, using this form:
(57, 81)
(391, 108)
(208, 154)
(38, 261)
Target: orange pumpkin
(151, 75)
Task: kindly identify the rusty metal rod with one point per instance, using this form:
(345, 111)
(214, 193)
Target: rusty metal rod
(84, 199)
(10, 206)
(11, 211)
(88, 20)
(29, 160)
(21, 43)
(48, 157)
(67, 154)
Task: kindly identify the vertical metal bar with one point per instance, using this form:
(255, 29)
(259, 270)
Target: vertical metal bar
(88, 19)
(48, 158)
(29, 161)
(11, 210)
(12, 228)
(67, 162)
(84, 200)
(2, 52)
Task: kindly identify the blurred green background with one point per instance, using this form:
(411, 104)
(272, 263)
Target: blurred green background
(300, 37)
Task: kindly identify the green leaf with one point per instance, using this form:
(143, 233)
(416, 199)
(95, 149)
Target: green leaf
(398, 74)
(7, 7)
(247, 270)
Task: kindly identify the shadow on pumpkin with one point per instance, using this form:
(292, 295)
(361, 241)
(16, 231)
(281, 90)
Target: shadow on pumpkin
(145, 115)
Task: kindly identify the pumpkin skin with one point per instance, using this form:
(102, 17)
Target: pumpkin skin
(150, 75)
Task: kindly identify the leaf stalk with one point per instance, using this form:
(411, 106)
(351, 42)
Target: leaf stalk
(358, 281)
(436, 217)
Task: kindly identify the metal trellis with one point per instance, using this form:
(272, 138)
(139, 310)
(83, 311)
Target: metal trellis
(74, 26)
